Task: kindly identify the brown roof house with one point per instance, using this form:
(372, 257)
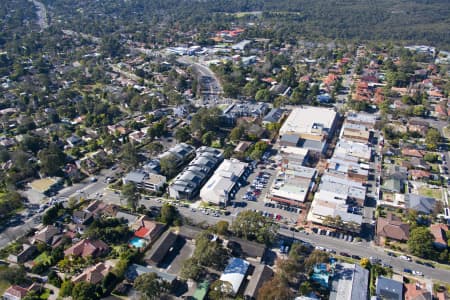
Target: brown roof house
(86, 248)
(94, 274)
(49, 235)
(392, 228)
(417, 291)
(440, 236)
(16, 292)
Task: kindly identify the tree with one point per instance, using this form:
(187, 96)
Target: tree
(66, 288)
(365, 263)
(222, 227)
(13, 275)
(220, 290)
(169, 215)
(169, 165)
(182, 134)
(305, 288)
(253, 226)
(432, 139)
(420, 242)
(51, 160)
(316, 257)
(262, 95)
(208, 138)
(130, 158)
(150, 286)
(210, 253)
(132, 195)
(50, 215)
(155, 148)
(275, 289)
(191, 269)
(237, 133)
(84, 291)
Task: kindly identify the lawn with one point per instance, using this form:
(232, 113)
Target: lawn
(43, 258)
(3, 286)
(434, 193)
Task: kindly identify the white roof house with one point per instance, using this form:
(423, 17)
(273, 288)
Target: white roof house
(235, 273)
(224, 179)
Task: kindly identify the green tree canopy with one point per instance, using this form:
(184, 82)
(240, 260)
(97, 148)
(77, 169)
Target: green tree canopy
(253, 226)
(420, 242)
(150, 286)
(131, 193)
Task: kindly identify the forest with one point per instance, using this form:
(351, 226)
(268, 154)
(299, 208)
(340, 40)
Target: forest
(418, 21)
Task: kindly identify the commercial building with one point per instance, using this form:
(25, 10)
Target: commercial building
(365, 119)
(145, 181)
(188, 183)
(338, 197)
(309, 127)
(348, 168)
(235, 273)
(355, 132)
(292, 185)
(345, 148)
(224, 183)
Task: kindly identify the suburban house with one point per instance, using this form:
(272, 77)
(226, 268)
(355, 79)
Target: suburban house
(81, 217)
(389, 289)
(86, 248)
(350, 281)
(28, 251)
(439, 231)
(148, 229)
(49, 235)
(94, 274)
(235, 273)
(16, 292)
(261, 273)
(392, 228)
(420, 203)
(417, 291)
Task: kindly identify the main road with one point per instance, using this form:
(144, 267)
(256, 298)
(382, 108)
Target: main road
(362, 249)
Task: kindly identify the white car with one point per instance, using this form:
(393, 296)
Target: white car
(417, 273)
(404, 257)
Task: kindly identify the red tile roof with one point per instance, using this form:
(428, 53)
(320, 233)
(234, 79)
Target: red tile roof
(86, 248)
(16, 291)
(142, 232)
(439, 233)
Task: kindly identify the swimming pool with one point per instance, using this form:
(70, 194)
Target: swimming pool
(137, 242)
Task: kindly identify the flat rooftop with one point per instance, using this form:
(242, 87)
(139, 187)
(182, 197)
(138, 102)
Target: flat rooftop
(304, 120)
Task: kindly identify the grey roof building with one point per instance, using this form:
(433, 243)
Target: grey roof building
(245, 109)
(188, 183)
(420, 203)
(389, 289)
(350, 282)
